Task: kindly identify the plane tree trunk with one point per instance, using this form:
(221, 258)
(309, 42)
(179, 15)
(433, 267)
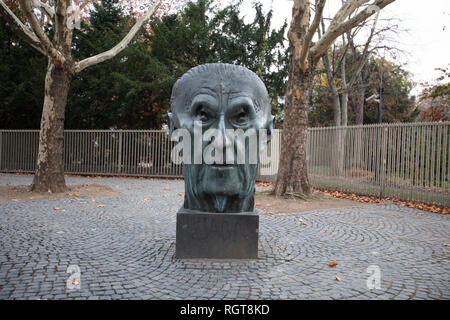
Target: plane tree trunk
(49, 175)
(292, 178)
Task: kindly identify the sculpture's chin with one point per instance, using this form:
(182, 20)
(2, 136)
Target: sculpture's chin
(219, 188)
(222, 180)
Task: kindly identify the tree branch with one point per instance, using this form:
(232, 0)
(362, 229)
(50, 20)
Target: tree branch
(312, 29)
(48, 9)
(340, 26)
(50, 50)
(19, 28)
(363, 59)
(83, 64)
(347, 8)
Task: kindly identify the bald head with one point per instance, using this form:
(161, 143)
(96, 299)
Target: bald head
(220, 87)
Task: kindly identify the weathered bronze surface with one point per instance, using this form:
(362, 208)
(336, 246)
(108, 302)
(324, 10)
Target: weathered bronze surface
(220, 96)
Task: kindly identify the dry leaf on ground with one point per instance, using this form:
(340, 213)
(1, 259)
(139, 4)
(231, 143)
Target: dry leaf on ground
(332, 264)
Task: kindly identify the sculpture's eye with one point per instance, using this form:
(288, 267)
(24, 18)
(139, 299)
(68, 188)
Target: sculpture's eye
(202, 115)
(241, 118)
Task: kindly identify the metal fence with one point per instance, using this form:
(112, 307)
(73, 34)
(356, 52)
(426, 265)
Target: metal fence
(101, 152)
(408, 161)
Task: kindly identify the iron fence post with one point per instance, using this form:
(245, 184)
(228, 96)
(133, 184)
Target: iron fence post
(119, 160)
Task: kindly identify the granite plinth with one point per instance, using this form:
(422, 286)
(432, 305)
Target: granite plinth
(216, 235)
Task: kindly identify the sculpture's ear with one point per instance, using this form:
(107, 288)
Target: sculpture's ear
(171, 123)
(270, 128)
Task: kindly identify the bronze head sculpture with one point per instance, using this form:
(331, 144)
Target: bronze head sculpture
(228, 105)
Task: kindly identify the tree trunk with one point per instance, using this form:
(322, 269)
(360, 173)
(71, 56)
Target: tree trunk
(292, 178)
(360, 98)
(333, 89)
(49, 176)
(342, 133)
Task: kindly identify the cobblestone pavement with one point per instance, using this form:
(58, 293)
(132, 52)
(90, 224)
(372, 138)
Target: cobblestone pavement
(125, 249)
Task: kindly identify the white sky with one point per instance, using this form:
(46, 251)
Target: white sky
(427, 41)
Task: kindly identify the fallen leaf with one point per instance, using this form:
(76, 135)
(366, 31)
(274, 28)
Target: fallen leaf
(59, 232)
(75, 282)
(332, 264)
(56, 208)
(338, 279)
(302, 221)
(100, 205)
(180, 194)
(447, 244)
(92, 200)
(164, 196)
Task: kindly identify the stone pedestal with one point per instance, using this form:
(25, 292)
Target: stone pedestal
(217, 235)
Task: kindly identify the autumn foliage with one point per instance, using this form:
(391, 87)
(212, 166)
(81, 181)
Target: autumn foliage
(373, 199)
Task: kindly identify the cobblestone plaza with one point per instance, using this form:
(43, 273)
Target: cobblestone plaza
(124, 248)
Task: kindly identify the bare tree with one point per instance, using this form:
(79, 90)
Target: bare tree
(340, 107)
(358, 56)
(292, 178)
(61, 67)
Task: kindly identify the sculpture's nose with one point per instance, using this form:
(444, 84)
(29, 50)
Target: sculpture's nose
(226, 140)
(222, 141)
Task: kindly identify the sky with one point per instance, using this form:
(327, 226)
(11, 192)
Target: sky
(424, 35)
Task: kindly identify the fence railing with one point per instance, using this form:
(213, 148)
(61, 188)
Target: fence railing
(406, 161)
(102, 152)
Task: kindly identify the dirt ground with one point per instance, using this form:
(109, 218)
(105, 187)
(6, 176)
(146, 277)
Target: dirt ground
(23, 193)
(263, 200)
(316, 201)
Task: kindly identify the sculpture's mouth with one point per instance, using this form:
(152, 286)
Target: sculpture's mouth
(222, 166)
